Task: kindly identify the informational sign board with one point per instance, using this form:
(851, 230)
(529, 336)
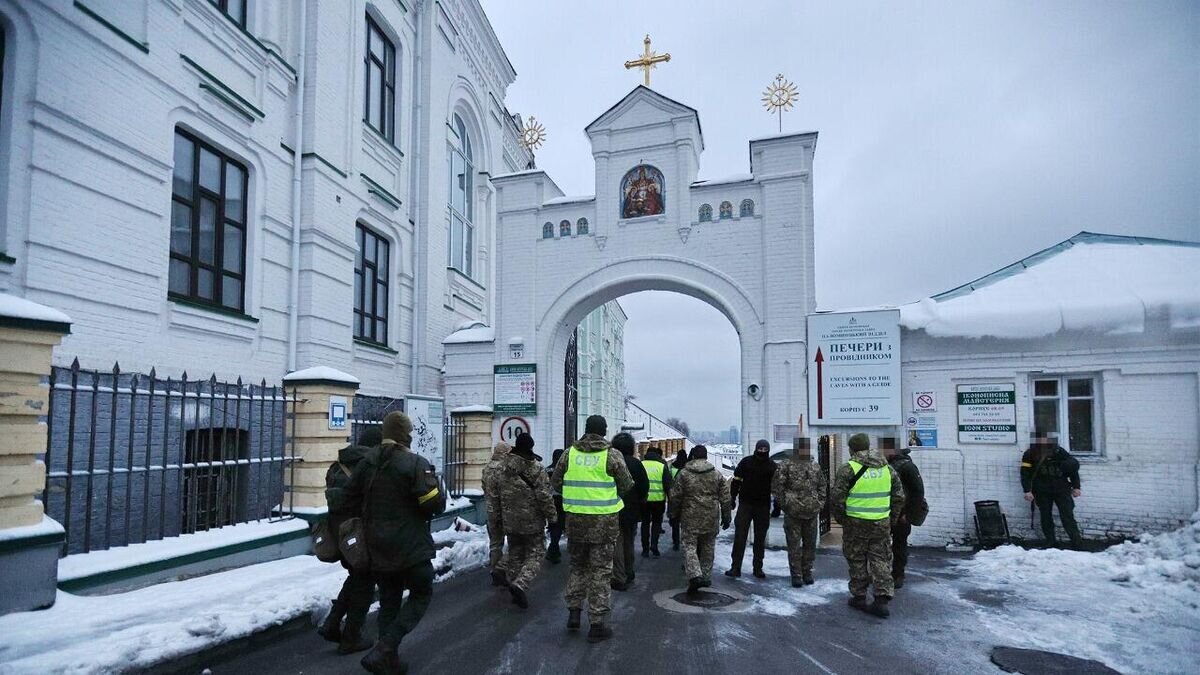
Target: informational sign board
(337, 412)
(987, 413)
(511, 427)
(514, 389)
(924, 401)
(922, 438)
(854, 368)
(427, 414)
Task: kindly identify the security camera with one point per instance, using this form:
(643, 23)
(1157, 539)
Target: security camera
(755, 391)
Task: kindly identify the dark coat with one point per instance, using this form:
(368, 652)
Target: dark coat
(1049, 469)
(910, 478)
(635, 501)
(337, 479)
(396, 492)
(752, 479)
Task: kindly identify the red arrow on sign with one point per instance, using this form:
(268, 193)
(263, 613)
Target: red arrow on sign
(820, 385)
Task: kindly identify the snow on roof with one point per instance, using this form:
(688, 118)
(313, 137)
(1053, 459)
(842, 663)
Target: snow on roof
(475, 334)
(735, 178)
(775, 137)
(320, 373)
(1096, 282)
(514, 174)
(569, 200)
(472, 409)
(12, 307)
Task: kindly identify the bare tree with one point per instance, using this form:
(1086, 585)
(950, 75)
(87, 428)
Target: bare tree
(680, 425)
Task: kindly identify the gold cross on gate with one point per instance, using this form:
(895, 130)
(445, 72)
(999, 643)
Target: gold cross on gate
(648, 61)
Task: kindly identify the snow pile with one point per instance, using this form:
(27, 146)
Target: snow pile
(148, 626)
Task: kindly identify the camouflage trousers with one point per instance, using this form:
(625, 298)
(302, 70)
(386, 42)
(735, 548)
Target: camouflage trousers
(801, 536)
(867, 545)
(524, 560)
(589, 577)
(698, 551)
(495, 545)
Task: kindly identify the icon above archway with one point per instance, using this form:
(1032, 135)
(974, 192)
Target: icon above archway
(642, 192)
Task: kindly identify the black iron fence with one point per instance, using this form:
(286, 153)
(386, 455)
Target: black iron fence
(369, 411)
(454, 434)
(133, 458)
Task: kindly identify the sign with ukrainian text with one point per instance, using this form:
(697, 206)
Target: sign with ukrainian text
(854, 368)
(514, 389)
(987, 413)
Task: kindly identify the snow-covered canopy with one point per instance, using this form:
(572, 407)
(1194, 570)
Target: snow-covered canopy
(475, 332)
(1095, 282)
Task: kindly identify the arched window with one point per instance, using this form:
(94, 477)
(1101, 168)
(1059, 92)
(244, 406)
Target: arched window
(726, 210)
(462, 177)
(746, 209)
(548, 230)
(705, 213)
(564, 228)
(642, 192)
(581, 226)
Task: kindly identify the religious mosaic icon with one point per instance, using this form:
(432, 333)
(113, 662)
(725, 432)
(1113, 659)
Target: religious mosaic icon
(642, 192)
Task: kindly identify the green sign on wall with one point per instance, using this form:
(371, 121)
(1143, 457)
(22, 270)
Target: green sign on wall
(987, 413)
(514, 389)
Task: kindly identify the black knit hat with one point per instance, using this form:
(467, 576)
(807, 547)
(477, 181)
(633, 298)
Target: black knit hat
(699, 452)
(596, 424)
(623, 442)
(762, 443)
(524, 443)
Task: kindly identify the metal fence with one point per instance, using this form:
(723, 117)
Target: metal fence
(133, 458)
(369, 411)
(455, 447)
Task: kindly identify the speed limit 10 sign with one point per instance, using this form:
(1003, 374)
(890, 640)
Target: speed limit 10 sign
(511, 427)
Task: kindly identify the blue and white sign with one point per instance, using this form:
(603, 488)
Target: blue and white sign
(337, 412)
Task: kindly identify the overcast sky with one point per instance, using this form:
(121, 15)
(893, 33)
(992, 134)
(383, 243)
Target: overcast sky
(955, 137)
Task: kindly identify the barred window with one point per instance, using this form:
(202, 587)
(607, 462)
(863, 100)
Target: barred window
(208, 225)
(211, 476)
(380, 106)
(371, 287)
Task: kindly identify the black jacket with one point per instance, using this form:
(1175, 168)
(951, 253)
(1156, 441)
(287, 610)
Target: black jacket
(1049, 469)
(635, 499)
(396, 492)
(337, 479)
(752, 479)
(910, 478)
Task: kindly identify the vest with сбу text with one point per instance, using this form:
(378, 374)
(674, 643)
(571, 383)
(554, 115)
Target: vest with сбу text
(871, 496)
(587, 487)
(655, 471)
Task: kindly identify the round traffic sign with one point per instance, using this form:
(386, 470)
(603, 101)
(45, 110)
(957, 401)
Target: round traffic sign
(511, 427)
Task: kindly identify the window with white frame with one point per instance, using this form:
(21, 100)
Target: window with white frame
(462, 176)
(1066, 405)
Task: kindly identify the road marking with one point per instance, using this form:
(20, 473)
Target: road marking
(848, 651)
(815, 662)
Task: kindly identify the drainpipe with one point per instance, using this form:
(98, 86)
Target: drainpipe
(414, 200)
(297, 181)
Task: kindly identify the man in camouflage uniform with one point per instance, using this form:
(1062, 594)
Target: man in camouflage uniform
(526, 506)
(800, 489)
(493, 494)
(867, 541)
(700, 500)
(591, 538)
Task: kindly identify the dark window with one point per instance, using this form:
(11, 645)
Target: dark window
(234, 9)
(747, 208)
(548, 231)
(210, 477)
(581, 226)
(371, 287)
(380, 111)
(705, 213)
(726, 210)
(1066, 406)
(462, 194)
(564, 228)
(208, 225)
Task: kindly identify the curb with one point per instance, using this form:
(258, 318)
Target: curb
(196, 662)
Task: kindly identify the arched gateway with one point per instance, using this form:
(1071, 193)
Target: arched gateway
(651, 228)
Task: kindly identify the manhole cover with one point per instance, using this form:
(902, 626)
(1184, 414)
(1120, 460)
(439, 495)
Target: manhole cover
(1035, 662)
(705, 599)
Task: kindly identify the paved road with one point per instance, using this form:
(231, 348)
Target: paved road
(472, 628)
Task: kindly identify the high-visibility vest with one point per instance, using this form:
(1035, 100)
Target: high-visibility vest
(674, 472)
(871, 496)
(654, 471)
(587, 487)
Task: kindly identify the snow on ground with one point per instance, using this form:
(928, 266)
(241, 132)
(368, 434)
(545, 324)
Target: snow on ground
(137, 629)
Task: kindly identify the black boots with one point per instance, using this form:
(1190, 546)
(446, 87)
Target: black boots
(382, 660)
(808, 579)
(654, 552)
(859, 602)
(694, 585)
(898, 582)
(352, 638)
(499, 578)
(735, 573)
(331, 627)
(554, 555)
(797, 583)
(599, 632)
(759, 574)
(573, 619)
(518, 597)
(880, 607)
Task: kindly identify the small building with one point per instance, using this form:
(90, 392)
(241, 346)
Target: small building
(1096, 339)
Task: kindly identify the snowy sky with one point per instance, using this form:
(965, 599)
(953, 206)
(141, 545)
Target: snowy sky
(955, 137)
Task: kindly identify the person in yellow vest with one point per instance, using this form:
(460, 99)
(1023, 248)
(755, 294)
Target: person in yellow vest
(660, 476)
(591, 477)
(867, 499)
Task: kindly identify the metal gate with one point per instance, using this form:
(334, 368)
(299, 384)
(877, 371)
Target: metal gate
(825, 457)
(571, 377)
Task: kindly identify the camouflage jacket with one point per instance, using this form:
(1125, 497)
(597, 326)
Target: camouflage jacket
(525, 499)
(700, 497)
(589, 529)
(841, 485)
(800, 488)
(492, 482)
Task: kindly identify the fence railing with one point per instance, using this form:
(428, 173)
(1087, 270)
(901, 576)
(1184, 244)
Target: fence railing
(455, 447)
(133, 458)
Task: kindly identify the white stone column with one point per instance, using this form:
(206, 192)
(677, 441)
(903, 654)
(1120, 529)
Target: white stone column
(316, 440)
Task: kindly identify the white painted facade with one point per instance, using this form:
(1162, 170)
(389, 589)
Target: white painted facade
(600, 345)
(93, 93)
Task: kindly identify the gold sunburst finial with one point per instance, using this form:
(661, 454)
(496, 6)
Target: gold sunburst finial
(779, 96)
(533, 134)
